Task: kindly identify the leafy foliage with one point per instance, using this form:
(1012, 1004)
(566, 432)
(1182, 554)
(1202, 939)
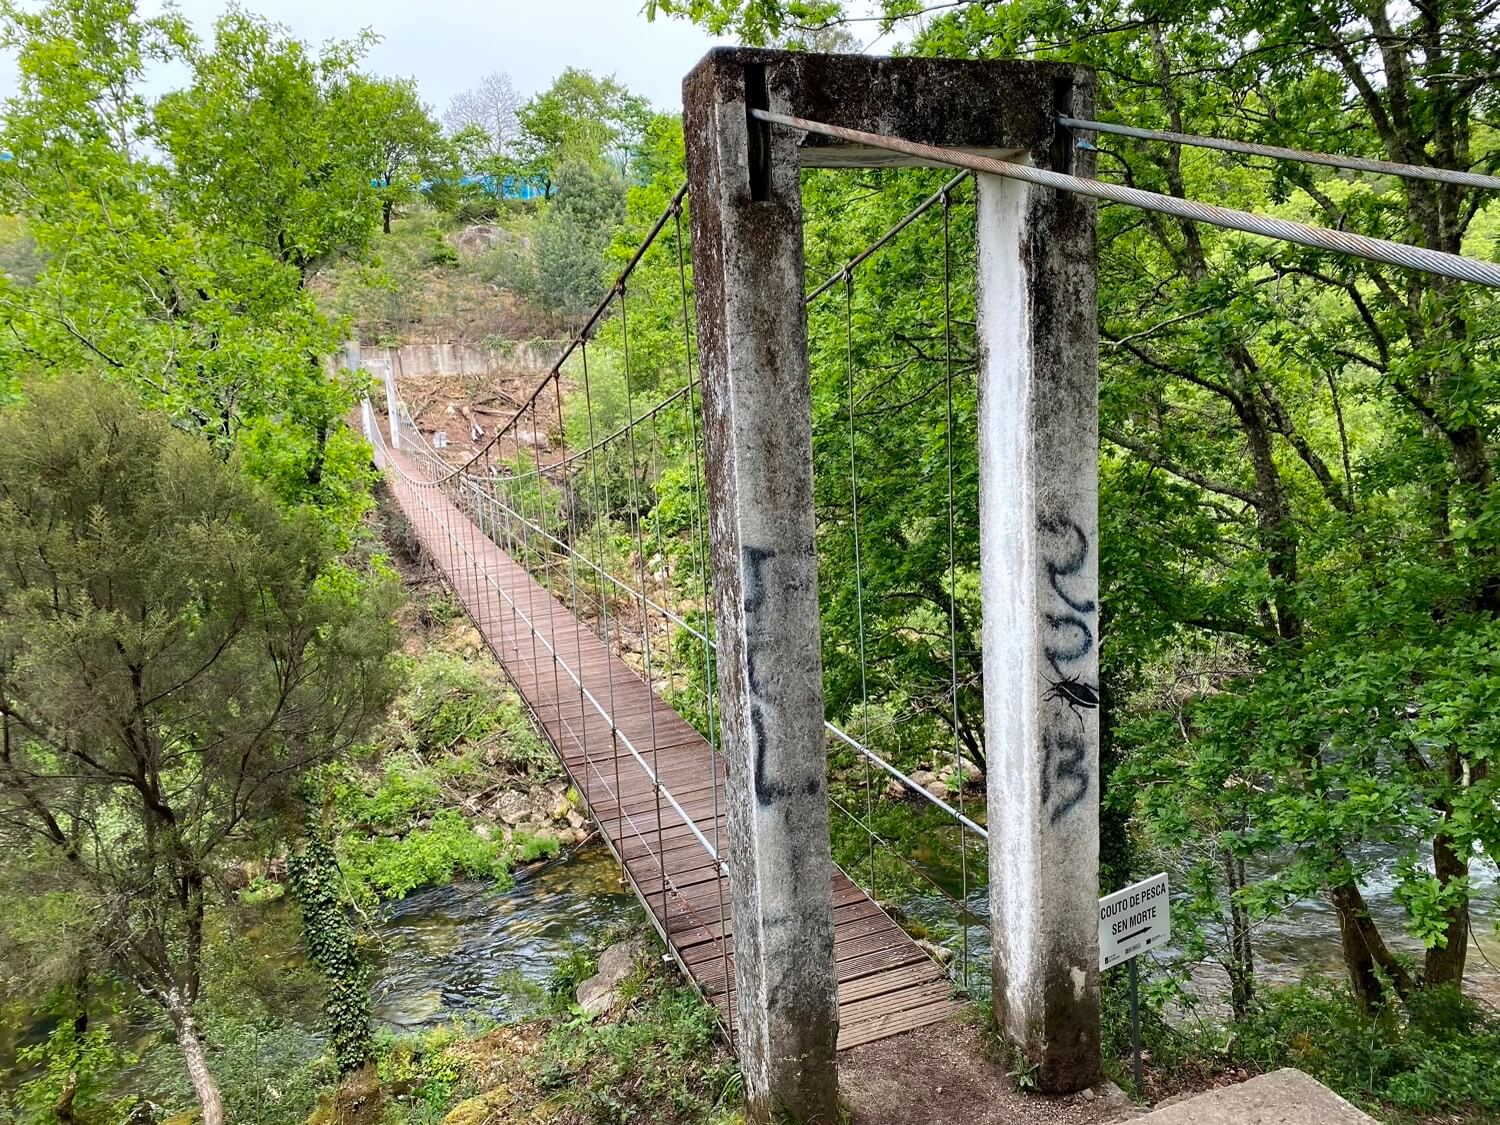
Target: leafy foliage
(272, 1071)
(78, 1071)
(449, 845)
(401, 825)
(579, 119)
(572, 238)
(330, 941)
(450, 702)
(174, 237)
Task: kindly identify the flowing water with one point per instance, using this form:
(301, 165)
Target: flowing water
(471, 949)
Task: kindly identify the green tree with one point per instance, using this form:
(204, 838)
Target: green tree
(75, 1082)
(580, 119)
(407, 145)
(573, 237)
(276, 146)
(175, 653)
(762, 22)
(174, 239)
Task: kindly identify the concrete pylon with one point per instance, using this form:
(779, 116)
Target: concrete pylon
(752, 343)
(1039, 550)
(745, 198)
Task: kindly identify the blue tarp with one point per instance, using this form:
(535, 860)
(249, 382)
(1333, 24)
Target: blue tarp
(507, 187)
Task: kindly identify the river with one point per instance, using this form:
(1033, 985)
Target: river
(470, 950)
(467, 949)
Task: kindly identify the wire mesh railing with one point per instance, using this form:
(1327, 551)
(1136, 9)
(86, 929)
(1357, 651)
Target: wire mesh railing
(455, 509)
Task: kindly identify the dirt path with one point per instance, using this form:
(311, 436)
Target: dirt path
(940, 1075)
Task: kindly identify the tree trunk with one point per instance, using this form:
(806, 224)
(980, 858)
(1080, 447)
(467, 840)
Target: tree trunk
(1241, 947)
(1445, 963)
(81, 997)
(386, 207)
(191, 1043)
(1365, 951)
(64, 1107)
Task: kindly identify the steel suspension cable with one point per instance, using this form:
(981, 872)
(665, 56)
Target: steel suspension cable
(597, 448)
(1301, 156)
(640, 551)
(573, 532)
(1400, 254)
(901, 224)
(547, 554)
(710, 646)
(581, 337)
(701, 562)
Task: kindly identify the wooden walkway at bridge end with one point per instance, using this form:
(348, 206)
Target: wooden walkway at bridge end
(887, 984)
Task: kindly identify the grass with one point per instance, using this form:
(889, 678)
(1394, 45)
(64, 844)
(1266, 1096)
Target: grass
(419, 286)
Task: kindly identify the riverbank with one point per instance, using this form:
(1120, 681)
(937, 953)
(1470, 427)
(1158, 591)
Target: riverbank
(647, 1049)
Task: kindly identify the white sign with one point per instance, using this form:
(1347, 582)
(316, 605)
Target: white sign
(1133, 920)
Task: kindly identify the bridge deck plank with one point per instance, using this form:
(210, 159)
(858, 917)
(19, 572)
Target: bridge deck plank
(593, 708)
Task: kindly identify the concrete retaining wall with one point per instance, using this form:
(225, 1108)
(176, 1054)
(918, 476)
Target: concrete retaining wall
(417, 360)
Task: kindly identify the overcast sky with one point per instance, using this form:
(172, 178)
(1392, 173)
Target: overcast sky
(448, 46)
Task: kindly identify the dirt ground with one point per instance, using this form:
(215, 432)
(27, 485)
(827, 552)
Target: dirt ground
(939, 1075)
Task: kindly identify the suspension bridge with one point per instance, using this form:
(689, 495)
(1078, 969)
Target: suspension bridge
(650, 781)
(639, 545)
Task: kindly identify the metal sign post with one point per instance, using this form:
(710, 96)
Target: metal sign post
(1131, 921)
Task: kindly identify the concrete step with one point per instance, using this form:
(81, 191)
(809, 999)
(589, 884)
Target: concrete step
(1283, 1097)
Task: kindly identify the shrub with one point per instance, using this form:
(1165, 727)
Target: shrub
(450, 702)
(393, 868)
(382, 867)
(1435, 1054)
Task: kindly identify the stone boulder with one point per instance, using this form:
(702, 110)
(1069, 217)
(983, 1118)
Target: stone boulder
(1283, 1097)
(964, 772)
(488, 1108)
(485, 236)
(512, 808)
(601, 992)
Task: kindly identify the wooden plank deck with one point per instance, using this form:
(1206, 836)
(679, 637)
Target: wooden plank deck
(887, 983)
